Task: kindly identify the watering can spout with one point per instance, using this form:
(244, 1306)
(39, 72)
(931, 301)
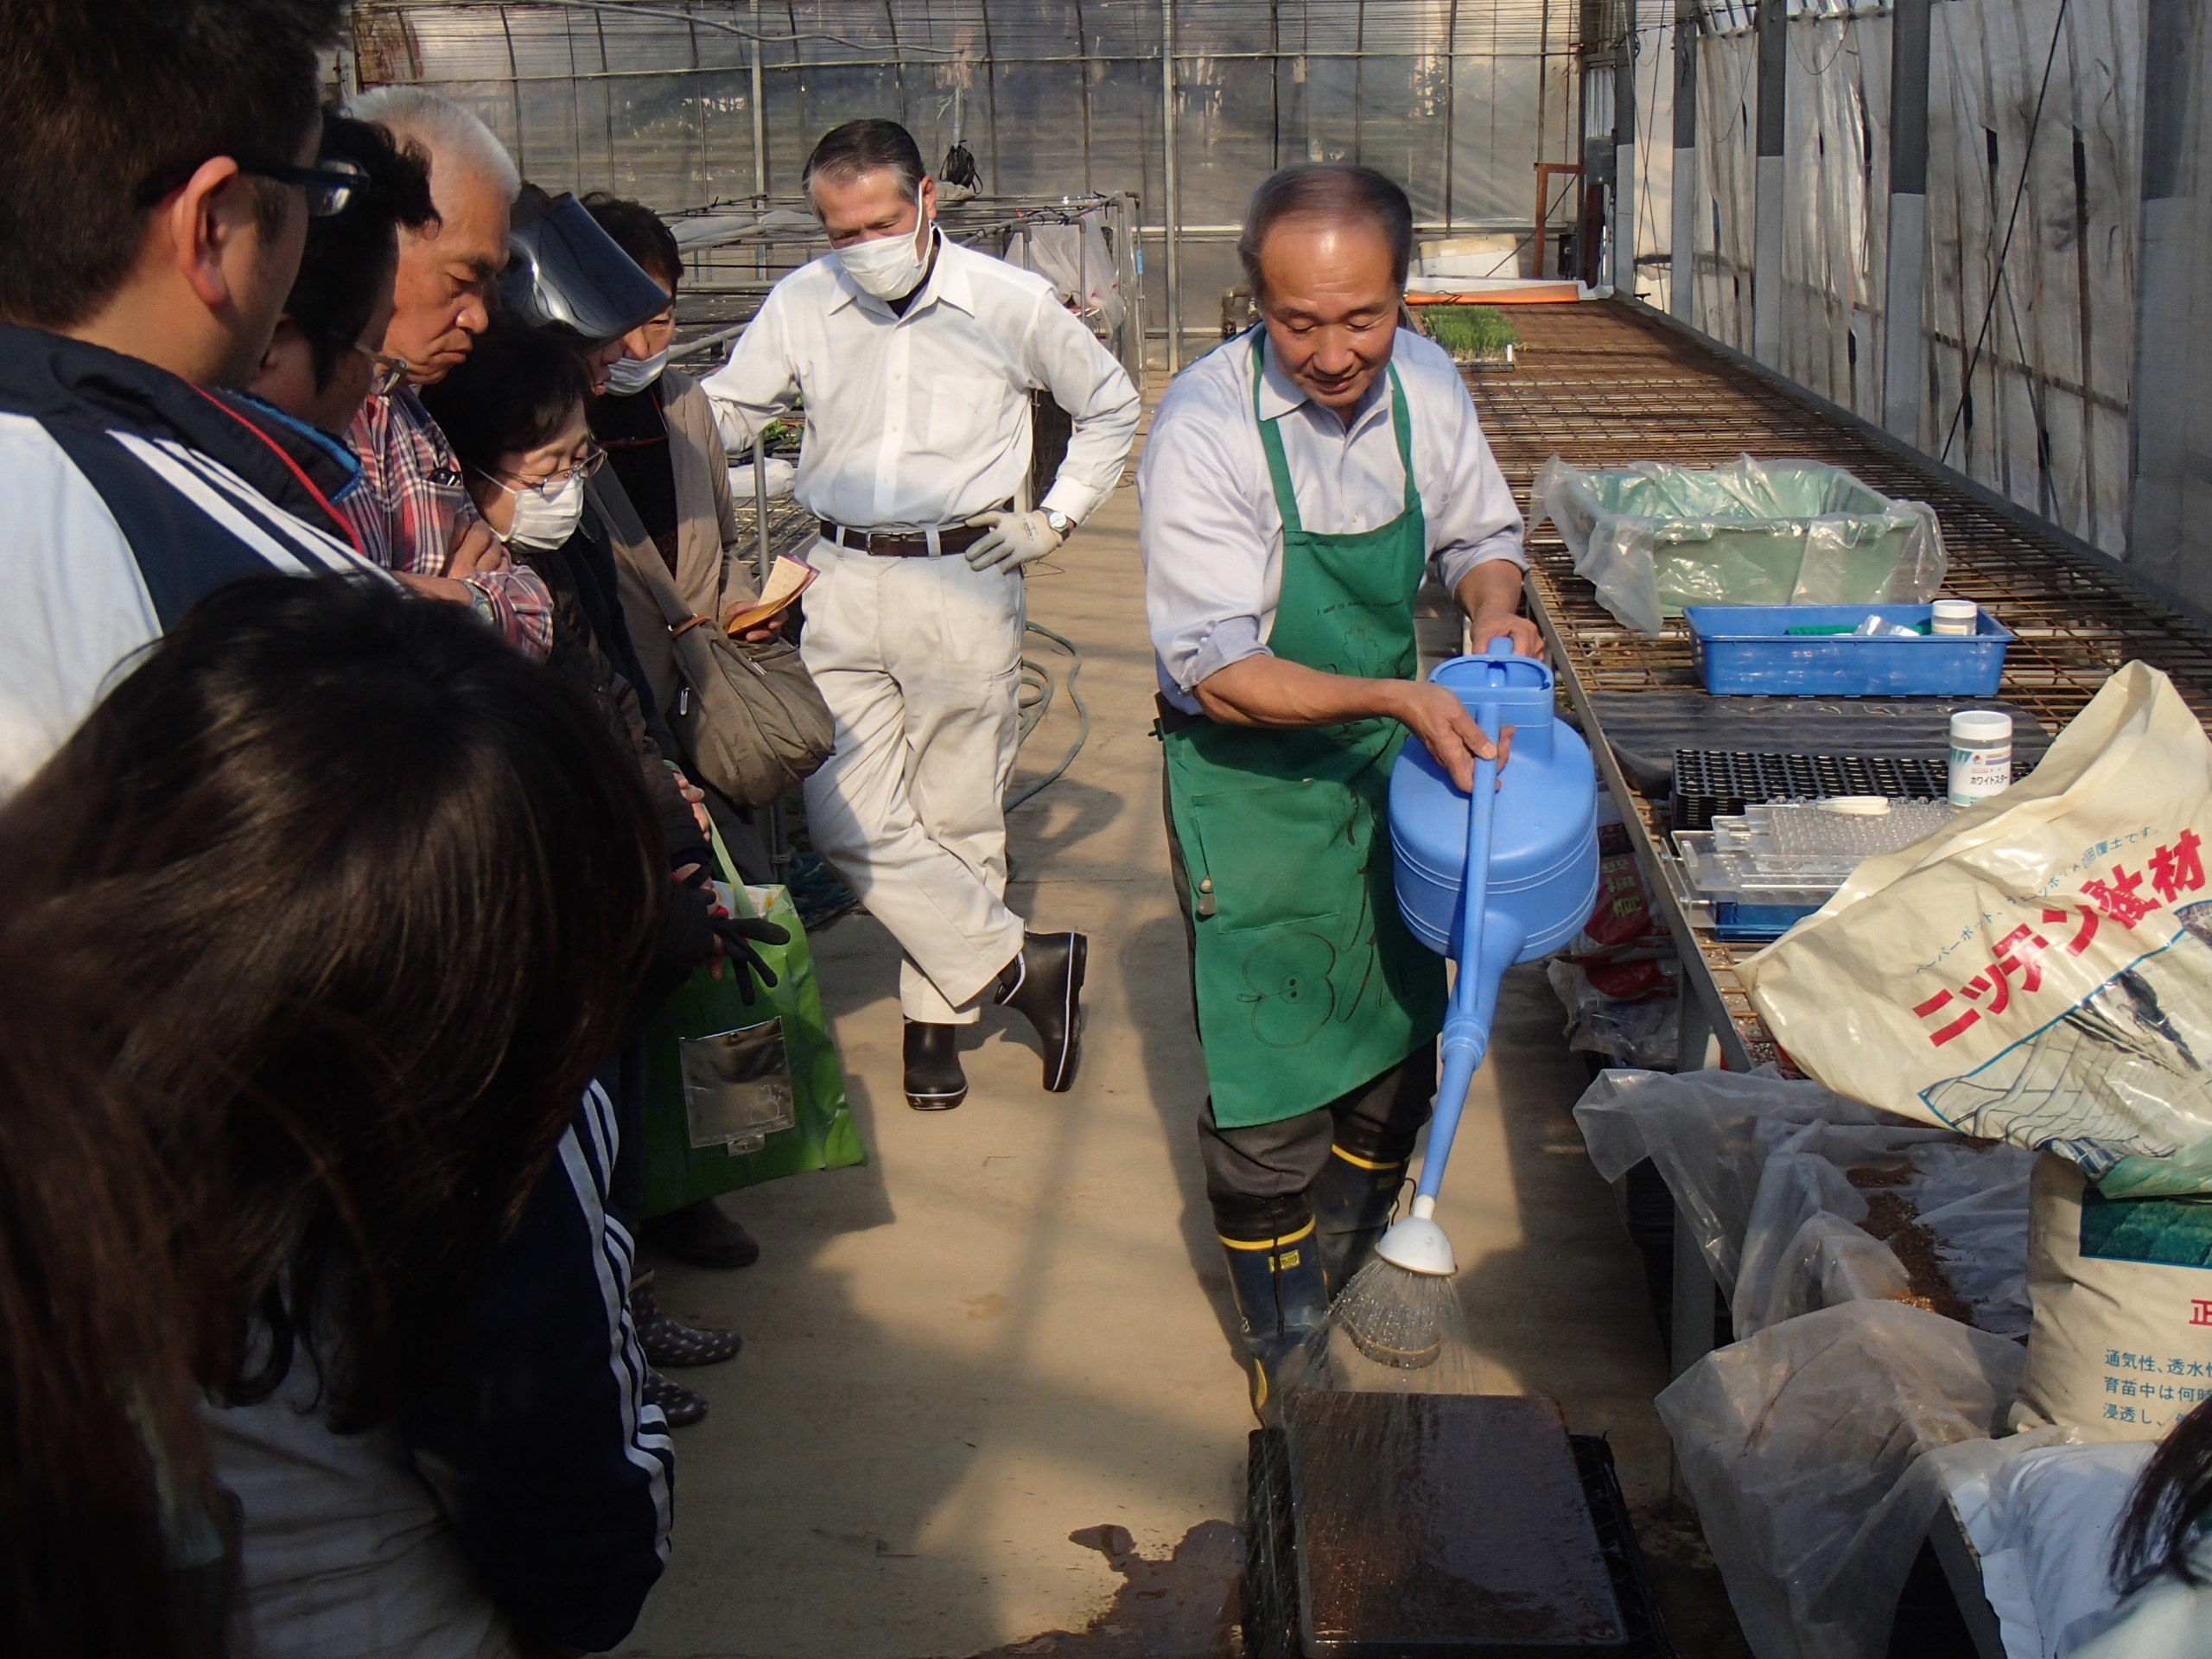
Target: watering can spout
(1418, 1245)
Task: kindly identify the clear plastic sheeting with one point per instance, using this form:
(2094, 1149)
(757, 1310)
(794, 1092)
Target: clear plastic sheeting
(1652, 539)
(1708, 1133)
(1801, 1449)
(2030, 311)
(2025, 370)
(1836, 238)
(1050, 97)
(1917, 1216)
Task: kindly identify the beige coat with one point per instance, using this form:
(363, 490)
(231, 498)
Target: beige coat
(707, 576)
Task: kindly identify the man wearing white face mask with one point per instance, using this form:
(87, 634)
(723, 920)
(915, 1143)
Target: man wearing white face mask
(916, 358)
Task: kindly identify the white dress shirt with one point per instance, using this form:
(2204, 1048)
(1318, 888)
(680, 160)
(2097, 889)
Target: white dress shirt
(920, 421)
(1210, 535)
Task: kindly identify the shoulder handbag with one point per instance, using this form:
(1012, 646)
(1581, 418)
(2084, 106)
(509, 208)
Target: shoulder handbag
(748, 715)
(738, 1093)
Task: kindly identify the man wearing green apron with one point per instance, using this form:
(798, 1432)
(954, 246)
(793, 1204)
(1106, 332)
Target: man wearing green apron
(1297, 485)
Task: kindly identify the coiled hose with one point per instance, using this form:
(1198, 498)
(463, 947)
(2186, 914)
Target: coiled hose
(1037, 688)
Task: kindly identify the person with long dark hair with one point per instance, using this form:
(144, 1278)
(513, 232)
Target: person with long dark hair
(350, 902)
(113, 1539)
(2162, 1554)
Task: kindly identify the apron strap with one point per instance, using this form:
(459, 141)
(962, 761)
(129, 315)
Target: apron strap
(1271, 441)
(1279, 465)
(1402, 428)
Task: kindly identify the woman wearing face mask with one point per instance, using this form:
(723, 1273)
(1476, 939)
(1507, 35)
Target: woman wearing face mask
(664, 494)
(514, 412)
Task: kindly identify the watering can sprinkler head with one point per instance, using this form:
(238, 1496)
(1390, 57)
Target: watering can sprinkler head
(1418, 1245)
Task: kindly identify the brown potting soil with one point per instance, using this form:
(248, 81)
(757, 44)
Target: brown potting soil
(1892, 1217)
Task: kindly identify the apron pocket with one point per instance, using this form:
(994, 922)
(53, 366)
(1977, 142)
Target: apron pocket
(1316, 835)
(1285, 980)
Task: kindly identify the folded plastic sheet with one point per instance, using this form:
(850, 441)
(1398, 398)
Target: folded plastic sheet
(1709, 1134)
(1801, 1447)
(1812, 1240)
(1652, 539)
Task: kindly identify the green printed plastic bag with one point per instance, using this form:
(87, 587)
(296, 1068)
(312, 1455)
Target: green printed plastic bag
(820, 1135)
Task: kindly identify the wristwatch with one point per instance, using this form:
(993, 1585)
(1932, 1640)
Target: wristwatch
(1059, 521)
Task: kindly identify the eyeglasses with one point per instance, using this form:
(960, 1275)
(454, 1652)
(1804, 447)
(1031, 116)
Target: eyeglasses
(584, 466)
(330, 183)
(390, 374)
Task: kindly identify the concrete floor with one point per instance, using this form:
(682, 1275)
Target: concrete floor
(971, 1362)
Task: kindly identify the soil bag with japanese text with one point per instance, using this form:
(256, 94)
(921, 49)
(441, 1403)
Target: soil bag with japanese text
(2038, 972)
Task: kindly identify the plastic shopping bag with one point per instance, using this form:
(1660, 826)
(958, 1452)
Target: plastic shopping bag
(2038, 972)
(739, 1093)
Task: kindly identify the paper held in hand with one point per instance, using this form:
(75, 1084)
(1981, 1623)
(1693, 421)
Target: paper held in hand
(787, 579)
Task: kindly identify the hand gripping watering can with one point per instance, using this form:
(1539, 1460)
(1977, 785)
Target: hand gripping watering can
(1511, 880)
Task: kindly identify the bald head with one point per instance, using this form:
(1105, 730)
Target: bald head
(442, 298)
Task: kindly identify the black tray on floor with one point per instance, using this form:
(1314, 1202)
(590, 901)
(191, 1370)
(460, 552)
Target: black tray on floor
(1271, 1613)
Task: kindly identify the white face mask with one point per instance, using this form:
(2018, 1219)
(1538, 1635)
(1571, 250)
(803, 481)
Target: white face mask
(891, 267)
(545, 519)
(629, 376)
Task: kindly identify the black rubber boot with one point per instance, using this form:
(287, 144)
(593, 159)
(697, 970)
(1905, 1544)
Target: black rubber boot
(1280, 1293)
(704, 1235)
(1044, 984)
(1352, 1200)
(935, 1082)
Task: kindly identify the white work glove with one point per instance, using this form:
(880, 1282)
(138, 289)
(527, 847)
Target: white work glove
(1016, 539)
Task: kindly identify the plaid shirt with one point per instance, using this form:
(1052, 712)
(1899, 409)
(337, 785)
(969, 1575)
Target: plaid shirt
(410, 504)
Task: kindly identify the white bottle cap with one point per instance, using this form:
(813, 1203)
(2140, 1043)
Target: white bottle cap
(1858, 806)
(1954, 610)
(1974, 729)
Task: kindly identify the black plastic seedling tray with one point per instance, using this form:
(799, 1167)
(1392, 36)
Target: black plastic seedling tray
(1721, 783)
(1439, 1527)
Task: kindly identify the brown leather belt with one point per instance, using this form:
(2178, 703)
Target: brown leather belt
(905, 546)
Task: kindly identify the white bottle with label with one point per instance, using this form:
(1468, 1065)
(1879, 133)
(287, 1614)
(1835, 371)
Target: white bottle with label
(1982, 755)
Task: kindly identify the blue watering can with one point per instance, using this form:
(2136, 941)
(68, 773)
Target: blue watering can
(1506, 877)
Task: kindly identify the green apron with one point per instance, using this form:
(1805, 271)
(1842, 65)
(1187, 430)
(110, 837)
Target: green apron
(1309, 983)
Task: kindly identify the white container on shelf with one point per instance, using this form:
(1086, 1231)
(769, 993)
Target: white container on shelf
(1954, 616)
(1982, 755)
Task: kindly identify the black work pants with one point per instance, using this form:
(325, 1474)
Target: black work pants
(1257, 1177)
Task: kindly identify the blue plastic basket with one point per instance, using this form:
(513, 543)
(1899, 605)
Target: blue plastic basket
(1747, 651)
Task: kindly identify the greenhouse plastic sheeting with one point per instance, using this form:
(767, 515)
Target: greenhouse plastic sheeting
(1807, 1450)
(1652, 539)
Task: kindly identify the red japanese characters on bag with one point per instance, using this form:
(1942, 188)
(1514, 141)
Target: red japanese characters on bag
(2039, 972)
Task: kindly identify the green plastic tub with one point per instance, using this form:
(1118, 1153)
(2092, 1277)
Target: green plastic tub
(1653, 539)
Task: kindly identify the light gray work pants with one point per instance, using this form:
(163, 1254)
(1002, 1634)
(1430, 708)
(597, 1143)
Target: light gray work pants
(919, 661)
